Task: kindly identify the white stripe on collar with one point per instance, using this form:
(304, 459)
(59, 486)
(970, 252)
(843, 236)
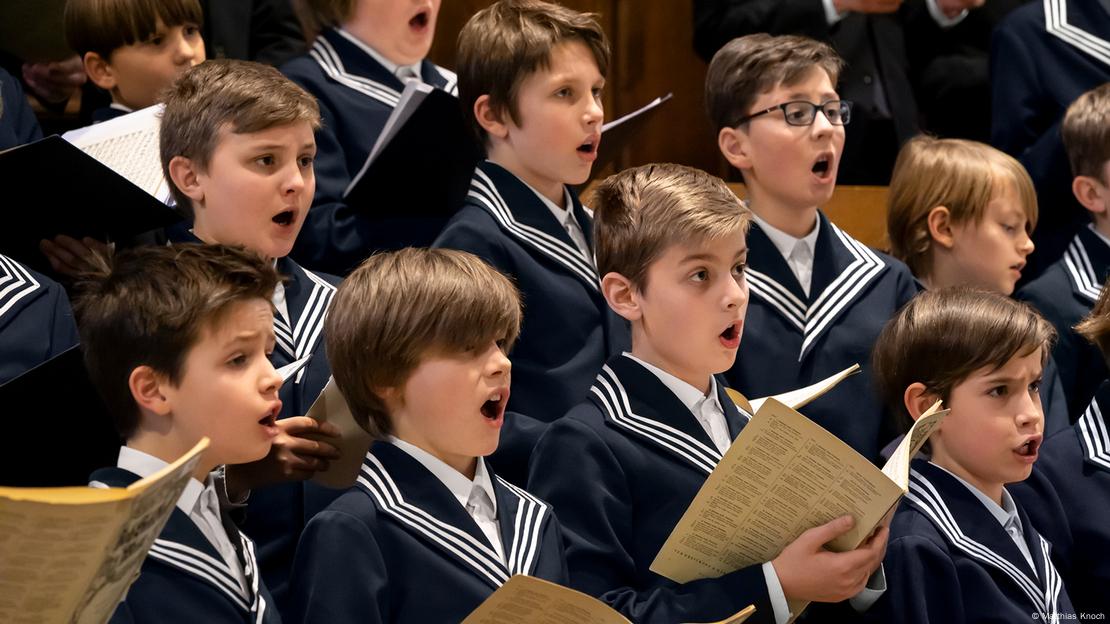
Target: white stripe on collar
(1080, 270)
(1056, 23)
(812, 320)
(1094, 435)
(389, 65)
(925, 497)
(528, 521)
(328, 60)
(454, 480)
(614, 402)
(484, 191)
(300, 340)
(16, 282)
(202, 566)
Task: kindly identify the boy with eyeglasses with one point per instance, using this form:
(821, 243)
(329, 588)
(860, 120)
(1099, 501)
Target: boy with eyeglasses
(818, 297)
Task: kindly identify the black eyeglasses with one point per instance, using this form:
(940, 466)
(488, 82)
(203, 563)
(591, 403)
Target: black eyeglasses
(802, 113)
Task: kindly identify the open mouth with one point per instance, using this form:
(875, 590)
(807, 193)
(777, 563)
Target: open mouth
(821, 167)
(284, 218)
(270, 419)
(494, 407)
(589, 146)
(730, 337)
(1029, 449)
(420, 20)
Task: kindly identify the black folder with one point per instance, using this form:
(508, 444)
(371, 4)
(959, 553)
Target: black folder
(421, 177)
(57, 426)
(52, 187)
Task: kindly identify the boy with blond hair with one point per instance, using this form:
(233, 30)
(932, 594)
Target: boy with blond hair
(363, 54)
(961, 213)
(134, 49)
(531, 75)
(176, 341)
(672, 250)
(961, 549)
(1068, 288)
(819, 297)
(418, 341)
(237, 148)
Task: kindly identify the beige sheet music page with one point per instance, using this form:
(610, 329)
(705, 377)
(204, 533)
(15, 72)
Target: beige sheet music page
(783, 475)
(69, 554)
(529, 600)
(353, 443)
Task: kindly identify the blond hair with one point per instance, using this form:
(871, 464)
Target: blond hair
(641, 211)
(1095, 327)
(1086, 132)
(958, 174)
(241, 96)
(748, 66)
(503, 44)
(400, 307)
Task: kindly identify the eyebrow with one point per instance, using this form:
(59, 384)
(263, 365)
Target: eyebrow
(709, 257)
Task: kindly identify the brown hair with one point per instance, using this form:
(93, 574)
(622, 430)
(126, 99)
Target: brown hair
(941, 337)
(1095, 327)
(958, 174)
(320, 14)
(748, 66)
(104, 26)
(641, 211)
(1086, 132)
(397, 308)
(503, 44)
(147, 307)
(242, 96)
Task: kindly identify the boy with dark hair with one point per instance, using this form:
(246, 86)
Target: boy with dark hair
(134, 49)
(417, 339)
(961, 549)
(531, 75)
(671, 246)
(364, 53)
(819, 297)
(237, 147)
(175, 341)
(1068, 288)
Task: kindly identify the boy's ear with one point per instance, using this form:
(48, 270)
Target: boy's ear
(184, 174)
(621, 296)
(734, 145)
(146, 389)
(490, 119)
(940, 227)
(918, 399)
(1090, 193)
(100, 71)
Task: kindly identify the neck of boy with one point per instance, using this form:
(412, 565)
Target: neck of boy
(794, 220)
(502, 155)
(700, 380)
(200, 231)
(168, 448)
(358, 28)
(1101, 220)
(991, 490)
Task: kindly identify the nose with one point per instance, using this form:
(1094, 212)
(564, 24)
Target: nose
(1030, 413)
(736, 293)
(270, 381)
(595, 113)
(821, 126)
(1025, 244)
(184, 50)
(294, 180)
(498, 364)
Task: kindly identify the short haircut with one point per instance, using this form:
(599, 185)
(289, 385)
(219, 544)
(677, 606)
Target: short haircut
(400, 307)
(104, 26)
(503, 44)
(1086, 133)
(640, 212)
(941, 337)
(148, 306)
(1095, 327)
(958, 174)
(320, 14)
(754, 64)
(241, 96)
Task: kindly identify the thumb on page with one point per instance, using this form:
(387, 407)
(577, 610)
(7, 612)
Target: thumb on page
(820, 535)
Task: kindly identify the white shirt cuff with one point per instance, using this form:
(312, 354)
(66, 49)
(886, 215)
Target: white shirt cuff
(941, 19)
(778, 598)
(876, 585)
(833, 16)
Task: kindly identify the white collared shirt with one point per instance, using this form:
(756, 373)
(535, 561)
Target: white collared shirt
(1006, 515)
(198, 501)
(477, 497)
(401, 71)
(706, 408)
(120, 107)
(798, 252)
(565, 217)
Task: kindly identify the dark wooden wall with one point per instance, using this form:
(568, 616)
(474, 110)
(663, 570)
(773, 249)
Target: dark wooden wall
(652, 55)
